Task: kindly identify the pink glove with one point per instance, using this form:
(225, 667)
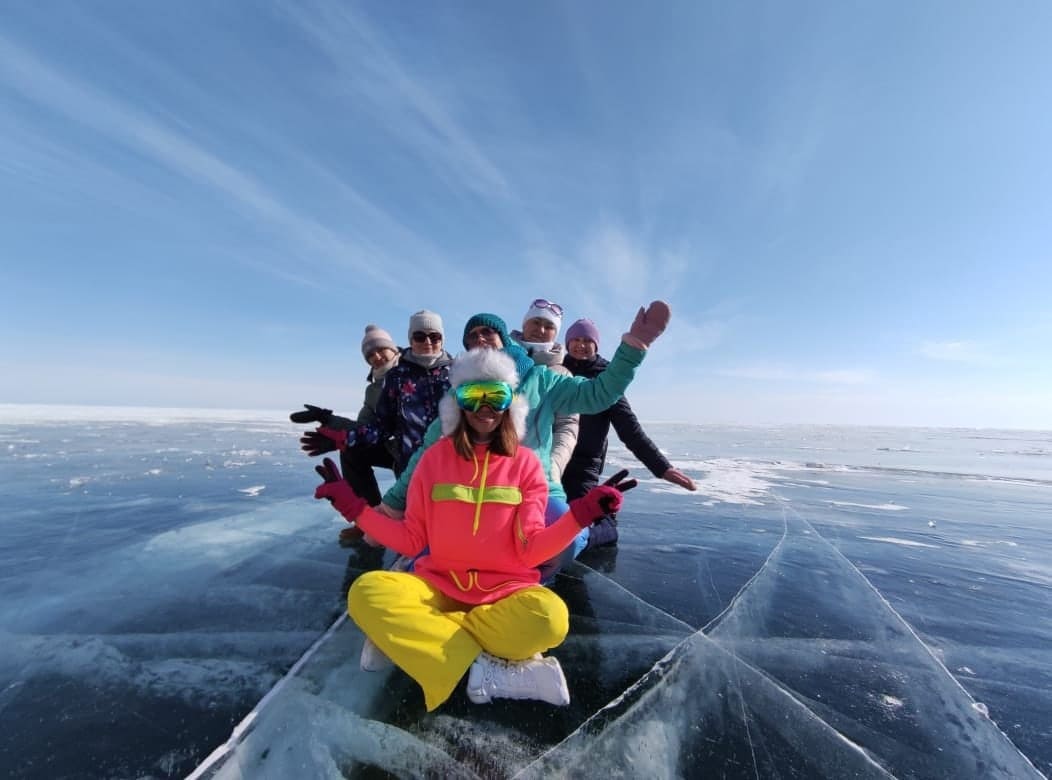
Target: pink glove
(596, 503)
(648, 325)
(347, 502)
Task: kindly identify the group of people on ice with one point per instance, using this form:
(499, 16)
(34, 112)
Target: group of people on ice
(498, 454)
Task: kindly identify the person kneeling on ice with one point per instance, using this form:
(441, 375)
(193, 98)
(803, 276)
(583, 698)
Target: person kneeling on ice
(476, 504)
(582, 471)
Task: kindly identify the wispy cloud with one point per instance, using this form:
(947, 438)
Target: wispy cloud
(954, 351)
(401, 101)
(614, 269)
(610, 254)
(688, 334)
(60, 174)
(121, 123)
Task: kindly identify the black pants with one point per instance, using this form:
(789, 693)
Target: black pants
(579, 478)
(357, 463)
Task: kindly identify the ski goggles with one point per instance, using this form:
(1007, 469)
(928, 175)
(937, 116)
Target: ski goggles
(473, 395)
(552, 306)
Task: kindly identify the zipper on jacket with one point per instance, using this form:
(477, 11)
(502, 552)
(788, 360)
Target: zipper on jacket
(481, 493)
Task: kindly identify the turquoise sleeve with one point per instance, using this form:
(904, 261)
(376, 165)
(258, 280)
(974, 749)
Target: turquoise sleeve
(395, 496)
(577, 395)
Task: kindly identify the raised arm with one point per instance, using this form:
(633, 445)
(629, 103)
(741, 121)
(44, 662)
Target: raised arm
(570, 395)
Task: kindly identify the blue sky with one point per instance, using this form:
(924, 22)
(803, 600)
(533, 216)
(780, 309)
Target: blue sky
(848, 205)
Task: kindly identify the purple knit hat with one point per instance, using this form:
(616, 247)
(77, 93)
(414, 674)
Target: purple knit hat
(583, 329)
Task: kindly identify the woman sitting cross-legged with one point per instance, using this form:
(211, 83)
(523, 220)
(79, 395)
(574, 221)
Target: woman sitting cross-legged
(476, 505)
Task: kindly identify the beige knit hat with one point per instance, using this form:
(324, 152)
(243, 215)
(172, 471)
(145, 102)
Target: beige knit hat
(426, 321)
(376, 338)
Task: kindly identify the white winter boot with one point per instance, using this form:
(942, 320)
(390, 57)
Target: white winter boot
(535, 678)
(373, 659)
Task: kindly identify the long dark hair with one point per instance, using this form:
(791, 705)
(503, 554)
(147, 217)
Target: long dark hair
(505, 439)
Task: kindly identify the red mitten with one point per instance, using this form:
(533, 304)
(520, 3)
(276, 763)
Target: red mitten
(596, 503)
(648, 325)
(347, 502)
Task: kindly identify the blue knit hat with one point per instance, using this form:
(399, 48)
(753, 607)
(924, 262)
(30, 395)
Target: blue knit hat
(490, 321)
(523, 362)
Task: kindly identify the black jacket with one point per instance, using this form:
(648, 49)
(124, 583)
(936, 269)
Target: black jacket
(589, 456)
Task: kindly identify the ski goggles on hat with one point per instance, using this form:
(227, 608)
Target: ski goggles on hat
(542, 303)
(473, 395)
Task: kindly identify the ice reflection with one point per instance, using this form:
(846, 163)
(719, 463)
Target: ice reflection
(808, 672)
(326, 719)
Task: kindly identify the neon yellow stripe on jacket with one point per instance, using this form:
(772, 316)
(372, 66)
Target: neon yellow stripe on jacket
(492, 494)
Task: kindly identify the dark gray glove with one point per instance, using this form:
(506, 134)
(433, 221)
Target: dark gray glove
(315, 414)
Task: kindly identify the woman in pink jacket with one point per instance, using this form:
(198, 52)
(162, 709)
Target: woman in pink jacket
(476, 504)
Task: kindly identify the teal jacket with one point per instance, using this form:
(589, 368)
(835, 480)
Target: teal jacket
(548, 394)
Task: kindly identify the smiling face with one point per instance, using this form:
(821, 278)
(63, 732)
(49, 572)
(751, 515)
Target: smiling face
(483, 423)
(483, 336)
(582, 349)
(426, 343)
(538, 330)
(380, 357)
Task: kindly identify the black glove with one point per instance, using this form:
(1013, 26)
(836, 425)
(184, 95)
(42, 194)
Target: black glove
(315, 443)
(313, 414)
(323, 416)
(617, 484)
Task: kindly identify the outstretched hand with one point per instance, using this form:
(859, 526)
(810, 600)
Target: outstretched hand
(311, 415)
(323, 440)
(677, 477)
(648, 325)
(347, 502)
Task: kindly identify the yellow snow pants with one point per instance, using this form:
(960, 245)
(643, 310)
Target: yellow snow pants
(434, 638)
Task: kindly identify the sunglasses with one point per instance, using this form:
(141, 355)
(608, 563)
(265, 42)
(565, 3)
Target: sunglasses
(542, 303)
(420, 337)
(481, 333)
(471, 396)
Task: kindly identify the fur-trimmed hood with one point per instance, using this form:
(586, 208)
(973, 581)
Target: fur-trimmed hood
(482, 364)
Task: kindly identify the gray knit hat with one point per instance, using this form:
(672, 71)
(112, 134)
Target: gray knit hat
(480, 364)
(426, 321)
(376, 338)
